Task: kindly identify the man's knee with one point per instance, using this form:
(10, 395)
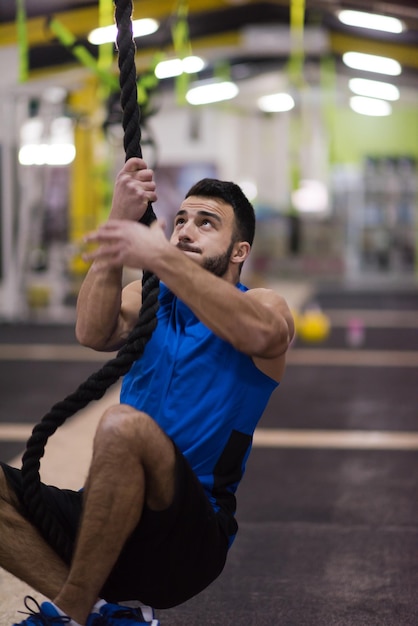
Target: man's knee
(134, 429)
(123, 431)
(6, 492)
(123, 420)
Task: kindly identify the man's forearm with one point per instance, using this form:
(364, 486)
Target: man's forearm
(247, 323)
(98, 308)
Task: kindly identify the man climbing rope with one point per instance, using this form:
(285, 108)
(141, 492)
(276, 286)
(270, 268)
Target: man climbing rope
(156, 517)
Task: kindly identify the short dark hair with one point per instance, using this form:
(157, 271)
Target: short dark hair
(232, 194)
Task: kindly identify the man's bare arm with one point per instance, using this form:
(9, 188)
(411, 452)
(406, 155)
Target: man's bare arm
(257, 322)
(105, 313)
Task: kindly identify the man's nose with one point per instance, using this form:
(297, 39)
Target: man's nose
(187, 231)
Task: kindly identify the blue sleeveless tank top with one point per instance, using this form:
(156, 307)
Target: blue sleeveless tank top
(206, 395)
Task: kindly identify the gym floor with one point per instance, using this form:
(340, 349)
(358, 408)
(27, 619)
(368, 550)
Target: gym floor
(328, 508)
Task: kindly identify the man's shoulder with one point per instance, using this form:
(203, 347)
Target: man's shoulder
(264, 294)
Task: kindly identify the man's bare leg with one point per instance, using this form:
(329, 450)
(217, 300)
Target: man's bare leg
(133, 463)
(23, 552)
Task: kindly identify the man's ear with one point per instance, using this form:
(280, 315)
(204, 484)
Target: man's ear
(240, 252)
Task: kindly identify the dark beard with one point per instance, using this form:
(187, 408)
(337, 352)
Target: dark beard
(218, 265)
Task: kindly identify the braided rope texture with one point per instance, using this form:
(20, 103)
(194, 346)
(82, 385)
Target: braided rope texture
(97, 384)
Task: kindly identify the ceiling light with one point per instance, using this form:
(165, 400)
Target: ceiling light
(52, 146)
(207, 93)
(370, 106)
(175, 67)
(371, 20)
(47, 154)
(107, 34)
(373, 89)
(276, 102)
(372, 63)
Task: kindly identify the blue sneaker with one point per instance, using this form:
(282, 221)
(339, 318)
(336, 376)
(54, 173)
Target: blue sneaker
(117, 615)
(44, 614)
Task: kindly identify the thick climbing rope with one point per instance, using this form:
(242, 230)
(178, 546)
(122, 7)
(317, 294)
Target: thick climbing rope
(97, 384)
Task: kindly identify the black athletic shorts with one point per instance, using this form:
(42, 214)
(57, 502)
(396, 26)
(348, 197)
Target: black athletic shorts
(171, 556)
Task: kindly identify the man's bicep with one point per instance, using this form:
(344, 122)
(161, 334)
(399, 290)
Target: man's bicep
(276, 305)
(281, 324)
(273, 361)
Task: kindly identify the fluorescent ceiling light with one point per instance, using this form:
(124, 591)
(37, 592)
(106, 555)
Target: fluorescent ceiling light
(107, 34)
(372, 63)
(276, 102)
(42, 147)
(207, 93)
(373, 89)
(371, 20)
(47, 154)
(370, 106)
(175, 67)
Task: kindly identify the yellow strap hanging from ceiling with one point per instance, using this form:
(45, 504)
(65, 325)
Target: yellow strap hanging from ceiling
(297, 53)
(82, 54)
(182, 46)
(22, 40)
(106, 18)
(296, 78)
